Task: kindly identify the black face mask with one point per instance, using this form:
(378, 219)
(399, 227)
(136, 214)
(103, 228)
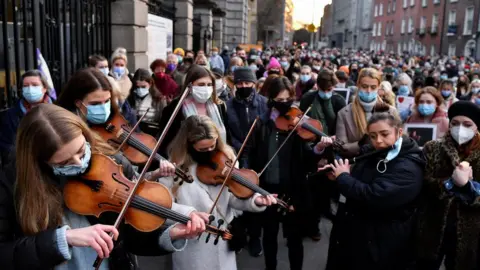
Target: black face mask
(243, 92)
(202, 158)
(282, 107)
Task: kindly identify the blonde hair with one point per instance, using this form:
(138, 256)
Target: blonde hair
(389, 95)
(42, 132)
(359, 115)
(194, 129)
(119, 53)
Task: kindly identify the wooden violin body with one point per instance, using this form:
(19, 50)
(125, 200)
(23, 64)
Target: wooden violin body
(104, 188)
(243, 183)
(116, 130)
(139, 145)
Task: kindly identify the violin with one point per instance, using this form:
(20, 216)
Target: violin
(243, 183)
(309, 129)
(104, 188)
(138, 146)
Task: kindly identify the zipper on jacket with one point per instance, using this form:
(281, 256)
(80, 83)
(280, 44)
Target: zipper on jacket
(248, 117)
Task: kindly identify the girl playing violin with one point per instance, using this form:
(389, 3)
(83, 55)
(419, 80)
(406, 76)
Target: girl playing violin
(286, 175)
(89, 95)
(193, 146)
(37, 231)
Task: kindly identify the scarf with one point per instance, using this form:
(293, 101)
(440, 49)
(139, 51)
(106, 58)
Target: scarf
(368, 108)
(190, 109)
(26, 107)
(322, 110)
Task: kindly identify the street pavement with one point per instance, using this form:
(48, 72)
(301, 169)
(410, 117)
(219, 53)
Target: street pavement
(315, 255)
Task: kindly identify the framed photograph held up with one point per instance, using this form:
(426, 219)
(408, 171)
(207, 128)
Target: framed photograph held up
(421, 133)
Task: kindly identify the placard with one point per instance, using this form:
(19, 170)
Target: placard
(344, 92)
(404, 103)
(421, 133)
(160, 37)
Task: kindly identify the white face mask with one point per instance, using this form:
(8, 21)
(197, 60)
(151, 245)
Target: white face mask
(141, 91)
(462, 134)
(202, 93)
(219, 86)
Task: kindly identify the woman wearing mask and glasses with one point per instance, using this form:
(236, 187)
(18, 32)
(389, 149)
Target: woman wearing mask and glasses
(37, 231)
(202, 100)
(449, 216)
(34, 91)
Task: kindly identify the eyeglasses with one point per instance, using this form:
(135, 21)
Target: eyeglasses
(283, 100)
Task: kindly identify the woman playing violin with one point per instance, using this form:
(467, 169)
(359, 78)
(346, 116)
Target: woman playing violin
(89, 95)
(373, 229)
(286, 175)
(37, 231)
(195, 144)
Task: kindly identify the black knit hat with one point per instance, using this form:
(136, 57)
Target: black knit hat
(244, 74)
(217, 72)
(465, 108)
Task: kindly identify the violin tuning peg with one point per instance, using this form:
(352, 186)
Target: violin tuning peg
(220, 222)
(211, 218)
(208, 238)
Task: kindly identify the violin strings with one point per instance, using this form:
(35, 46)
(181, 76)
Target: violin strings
(143, 204)
(147, 151)
(238, 178)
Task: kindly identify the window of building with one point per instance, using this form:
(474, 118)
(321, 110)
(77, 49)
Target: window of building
(453, 1)
(375, 14)
(380, 11)
(374, 32)
(432, 50)
(452, 50)
(392, 27)
(379, 30)
(412, 3)
(405, 3)
(399, 48)
(394, 5)
(434, 23)
(423, 24)
(389, 9)
(424, 3)
(403, 26)
(410, 25)
(452, 17)
(436, 1)
(468, 24)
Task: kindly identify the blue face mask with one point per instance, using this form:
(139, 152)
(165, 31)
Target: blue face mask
(367, 97)
(73, 170)
(141, 91)
(33, 94)
(426, 109)
(477, 101)
(403, 90)
(394, 152)
(104, 71)
(446, 93)
(324, 95)
(444, 77)
(180, 59)
(98, 114)
(284, 64)
(305, 78)
(118, 72)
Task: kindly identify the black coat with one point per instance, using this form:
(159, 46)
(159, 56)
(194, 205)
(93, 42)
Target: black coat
(8, 131)
(177, 123)
(40, 251)
(374, 228)
(302, 161)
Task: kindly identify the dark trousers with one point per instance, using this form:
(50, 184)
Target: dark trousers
(292, 230)
(251, 224)
(321, 191)
(447, 250)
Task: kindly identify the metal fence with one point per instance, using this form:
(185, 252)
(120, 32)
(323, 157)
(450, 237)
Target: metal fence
(65, 31)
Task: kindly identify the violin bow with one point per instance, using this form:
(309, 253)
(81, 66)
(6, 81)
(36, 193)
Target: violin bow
(122, 213)
(233, 165)
(131, 131)
(284, 141)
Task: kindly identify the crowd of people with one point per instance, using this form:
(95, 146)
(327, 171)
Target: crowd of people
(395, 201)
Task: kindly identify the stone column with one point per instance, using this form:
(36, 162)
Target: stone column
(129, 22)
(183, 24)
(203, 9)
(218, 16)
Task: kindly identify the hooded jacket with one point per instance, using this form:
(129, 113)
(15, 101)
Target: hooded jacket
(374, 228)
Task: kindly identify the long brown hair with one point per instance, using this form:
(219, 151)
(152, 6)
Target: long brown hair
(42, 132)
(195, 128)
(82, 83)
(359, 115)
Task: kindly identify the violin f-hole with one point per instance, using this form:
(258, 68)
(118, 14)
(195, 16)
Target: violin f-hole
(114, 177)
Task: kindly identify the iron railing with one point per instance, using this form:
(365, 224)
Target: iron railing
(65, 31)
